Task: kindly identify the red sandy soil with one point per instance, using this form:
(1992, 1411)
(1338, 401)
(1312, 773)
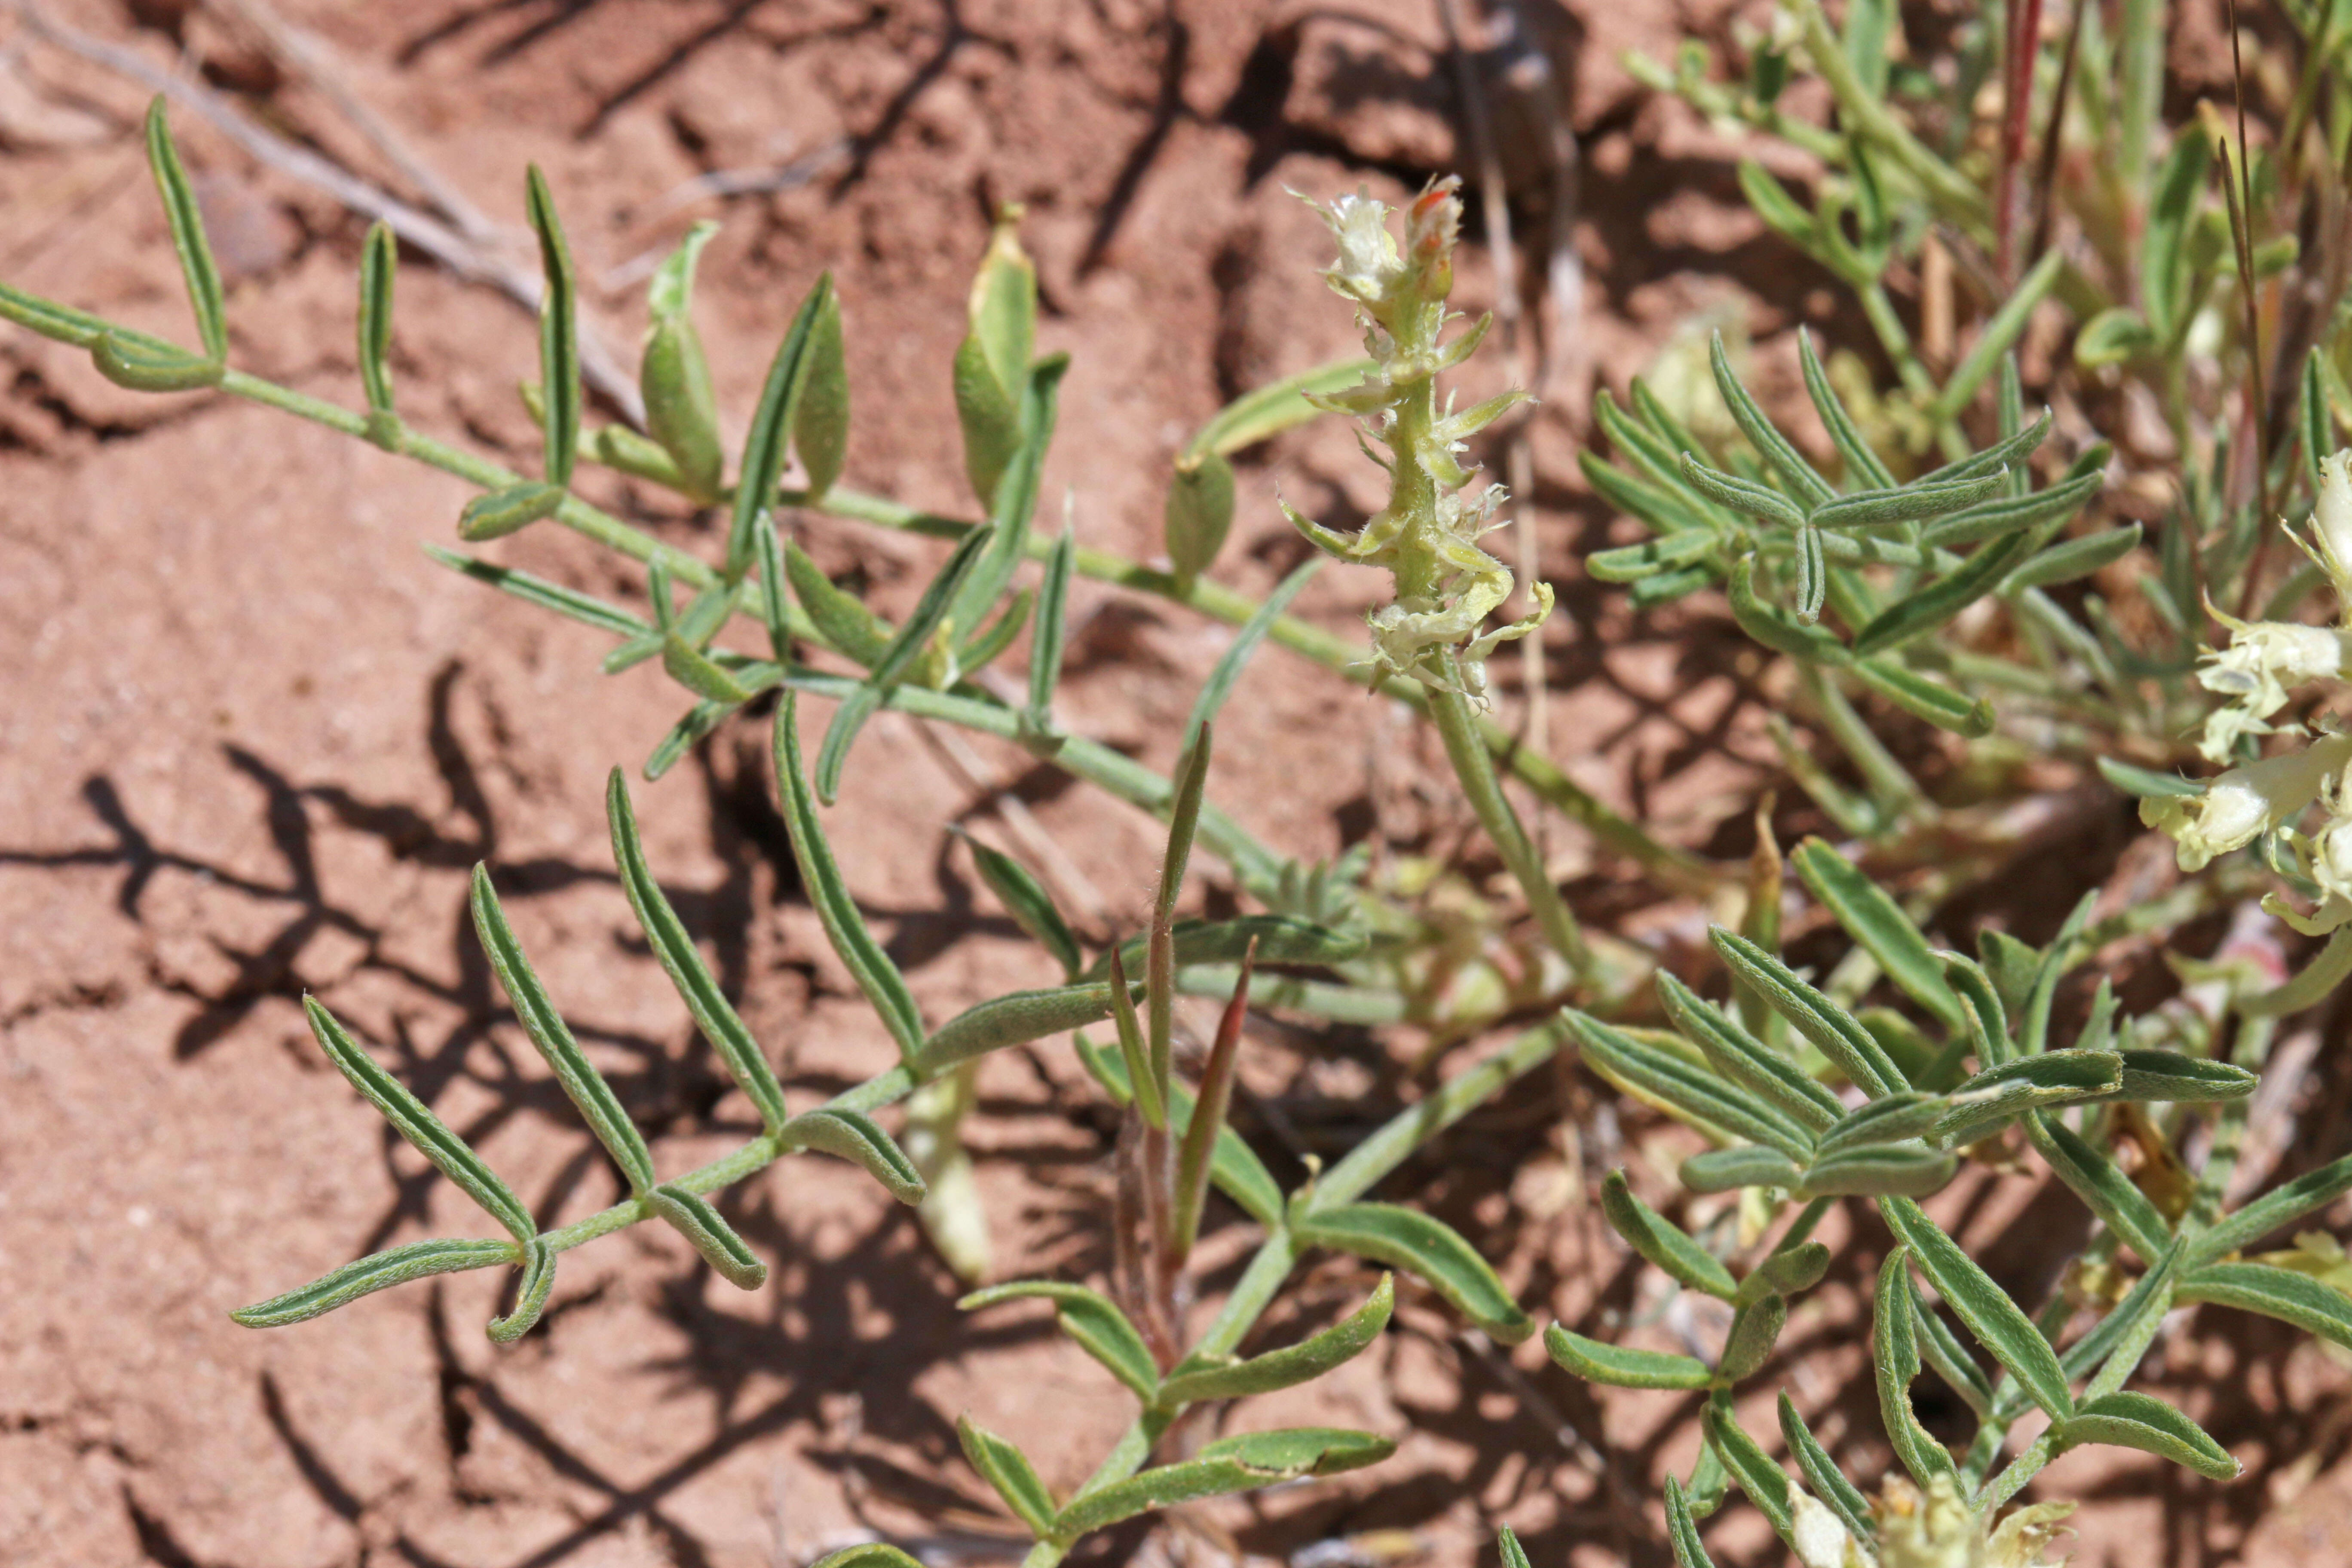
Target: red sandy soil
(253, 742)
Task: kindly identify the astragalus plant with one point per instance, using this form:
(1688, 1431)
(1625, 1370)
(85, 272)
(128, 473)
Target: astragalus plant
(1873, 1083)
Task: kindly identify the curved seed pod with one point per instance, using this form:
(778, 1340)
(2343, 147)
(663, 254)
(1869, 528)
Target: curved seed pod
(682, 410)
(1197, 515)
(991, 367)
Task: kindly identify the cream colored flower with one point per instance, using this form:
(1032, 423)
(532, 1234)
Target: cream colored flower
(1446, 585)
(2245, 803)
(1938, 1530)
(2264, 659)
(2331, 521)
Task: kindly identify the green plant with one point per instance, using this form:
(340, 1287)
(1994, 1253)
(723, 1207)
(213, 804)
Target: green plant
(1811, 1089)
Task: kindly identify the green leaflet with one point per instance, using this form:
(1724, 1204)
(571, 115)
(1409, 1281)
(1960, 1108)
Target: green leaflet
(697, 722)
(1274, 408)
(1016, 499)
(2165, 268)
(508, 510)
(377, 1271)
(1830, 1026)
(2145, 783)
(2009, 452)
(531, 1295)
(1659, 1078)
(1822, 1474)
(1981, 1010)
(681, 408)
(50, 318)
(1755, 1329)
(1661, 1242)
(1999, 336)
(1682, 1530)
(1507, 1546)
(149, 365)
(2075, 558)
(1280, 939)
(2013, 514)
(582, 1084)
(1088, 1317)
(867, 1555)
(2309, 1304)
(2274, 1210)
(821, 426)
(1229, 1465)
(1197, 515)
(1890, 1120)
(1894, 1359)
(378, 261)
(559, 335)
(1632, 563)
(2001, 1094)
(2140, 1421)
(1862, 462)
(2170, 1077)
(1236, 657)
(1998, 1322)
(2108, 1192)
(1916, 614)
(1886, 507)
(187, 225)
(1009, 1020)
(762, 465)
(1293, 1364)
(1047, 643)
(1008, 1469)
(1027, 901)
(568, 603)
(841, 618)
(1742, 495)
(989, 645)
(845, 927)
(1872, 918)
(1408, 1239)
(1775, 630)
(1232, 1164)
(1742, 1165)
(1877, 1170)
(897, 661)
(1141, 1078)
(1670, 510)
(1752, 1470)
(1740, 1056)
(414, 1121)
(1773, 447)
(682, 663)
(1924, 699)
(693, 1218)
(1788, 1269)
(1621, 1366)
(852, 1135)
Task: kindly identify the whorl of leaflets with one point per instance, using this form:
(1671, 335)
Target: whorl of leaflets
(2264, 661)
(1427, 535)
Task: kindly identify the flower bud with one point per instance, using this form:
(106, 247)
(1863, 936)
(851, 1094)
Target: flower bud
(2243, 803)
(2331, 518)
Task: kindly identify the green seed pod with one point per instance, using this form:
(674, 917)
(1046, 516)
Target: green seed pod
(681, 409)
(991, 367)
(1198, 512)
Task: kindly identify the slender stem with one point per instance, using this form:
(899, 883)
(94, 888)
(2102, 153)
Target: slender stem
(1474, 765)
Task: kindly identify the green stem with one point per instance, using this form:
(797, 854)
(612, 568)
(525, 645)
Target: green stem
(1676, 870)
(1474, 765)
